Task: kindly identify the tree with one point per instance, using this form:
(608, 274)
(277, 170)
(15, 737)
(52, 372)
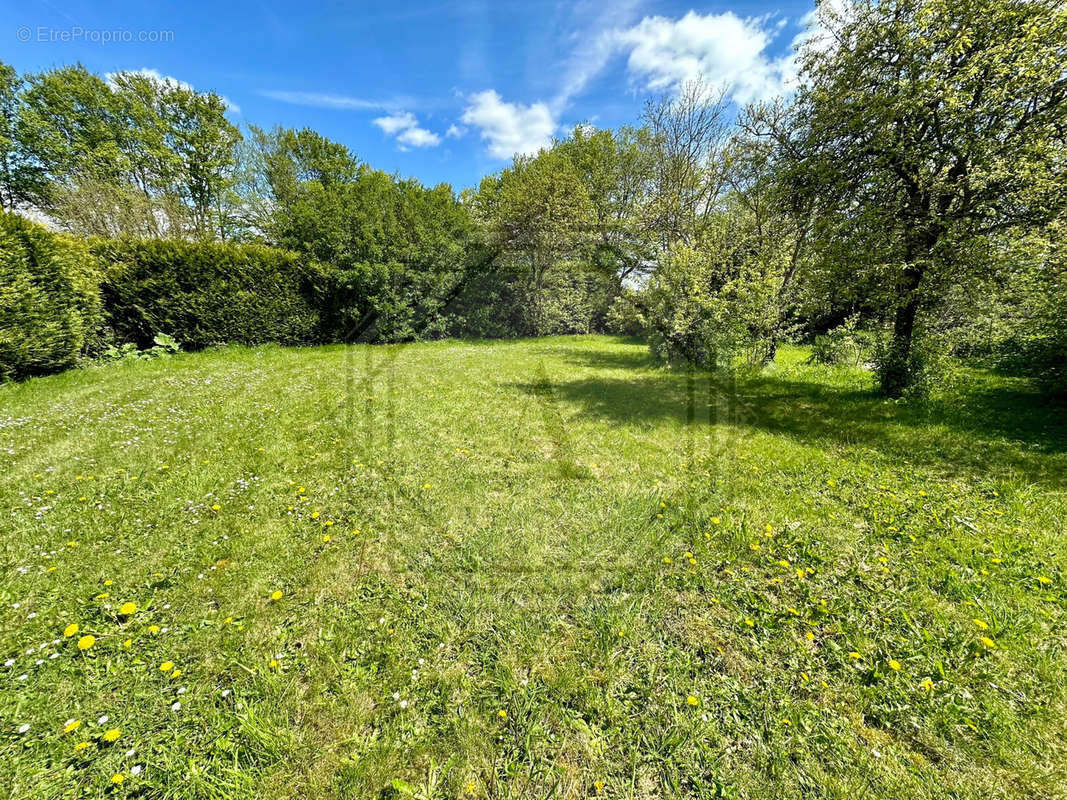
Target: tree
(21, 181)
(923, 126)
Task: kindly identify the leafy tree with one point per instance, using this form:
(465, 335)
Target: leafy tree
(925, 125)
(21, 182)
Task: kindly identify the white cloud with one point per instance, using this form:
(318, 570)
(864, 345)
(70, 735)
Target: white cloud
(455, 132)
(405, 127)
(722, 49)
(167, 80)
(419, 137)
(509, 128)
(317, 100)
(394, 123)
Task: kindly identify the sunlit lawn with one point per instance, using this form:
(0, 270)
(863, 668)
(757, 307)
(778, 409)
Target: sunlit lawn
(532, 569)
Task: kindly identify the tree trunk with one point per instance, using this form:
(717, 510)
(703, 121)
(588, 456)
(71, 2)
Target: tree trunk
(898, 368)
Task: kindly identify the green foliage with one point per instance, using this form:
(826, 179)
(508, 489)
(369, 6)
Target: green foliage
(163, 345)
(49, 299)
(921, 128)
(209, 293)
(839, 346)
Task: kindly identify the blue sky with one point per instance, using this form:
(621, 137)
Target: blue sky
(443, 91)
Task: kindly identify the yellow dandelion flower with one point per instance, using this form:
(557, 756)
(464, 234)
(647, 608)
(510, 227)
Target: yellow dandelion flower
(783, 562)
(176, 674)
(314, 514)
(1044, 579)
(72, 725)
(598, 786)
(70, 630)
(988, 642)
(502, 714)
(166, 666)
(126, 609)
(982, 625)
(326, 538)
(809, 636)
(749, 622)
(153, 629)
(894, 665)
(693, 701)
(111, 735)
(854, 655)
(715, 520)
(216, 507)
(86, 642)
(118, 778)
(276, 594)
(927, 684)
(81, 746)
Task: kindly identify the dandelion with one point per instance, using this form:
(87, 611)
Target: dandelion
(126, 609)
(982, 625)
(118, 778)
(153, 629)
(1044, 579)
(502, 714)
(112, 735)
(692, 700)
(598, 786)
(927, 684)
(72, 725)
(276, 594)
(809, 636)
(86, 642)
(216, 507)
(749, 622)
(81, 746)
(715, 520)
(166, 666)
(326, 538)
(988, 642)
(894, 665)
(70, 630)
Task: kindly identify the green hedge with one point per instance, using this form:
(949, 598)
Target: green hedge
(206, 293)
(49, 299)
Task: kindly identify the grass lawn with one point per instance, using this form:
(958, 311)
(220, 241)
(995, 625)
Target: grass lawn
(526, 569)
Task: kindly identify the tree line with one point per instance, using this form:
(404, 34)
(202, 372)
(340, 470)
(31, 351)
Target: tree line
(907, 197)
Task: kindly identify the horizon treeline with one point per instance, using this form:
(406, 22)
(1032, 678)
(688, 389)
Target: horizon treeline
(904, 205)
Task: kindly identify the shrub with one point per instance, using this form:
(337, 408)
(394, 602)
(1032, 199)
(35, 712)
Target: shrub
(49, 299)
(205, 293)
(840, 345)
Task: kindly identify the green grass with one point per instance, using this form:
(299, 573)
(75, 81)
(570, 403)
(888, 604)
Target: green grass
(507, 606)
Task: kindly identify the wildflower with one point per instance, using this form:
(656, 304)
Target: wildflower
(809, 636)
(166, 666)
(502, 714)
(783, 562)
(326, 538)
(894, 665)
(126, 609)
(715, 520)
(81, 746)
(153, 629)
(112, 735)
(980, 624)
(72, 725)
(24, 727)
(276, 594)
(666, 559)
(693, 701)
(988, 642)
(749, 622)
(314, 514)
(86, 642)
(1044, 579)
(927, 684)
(136, 770)
(118, 778)
(70, 630)
(216, 507)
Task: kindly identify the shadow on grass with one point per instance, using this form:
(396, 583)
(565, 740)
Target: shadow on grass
(993, 427)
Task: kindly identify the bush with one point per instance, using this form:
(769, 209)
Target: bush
(49, 299)
(840, 345)
(206, 293)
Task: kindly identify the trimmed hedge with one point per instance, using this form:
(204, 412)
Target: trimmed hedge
(49, 299)
(206, 293)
